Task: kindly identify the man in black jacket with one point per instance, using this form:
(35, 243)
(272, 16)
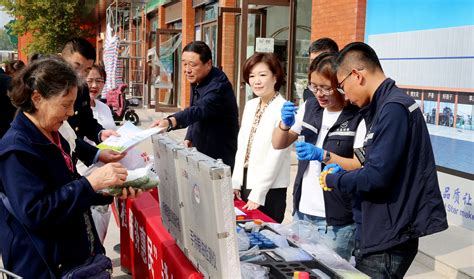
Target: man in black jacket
(80, 55)
(397, 192)
(6, 108)
(212, 118)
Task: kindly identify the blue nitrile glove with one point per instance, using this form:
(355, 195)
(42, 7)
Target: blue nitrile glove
(335, 168)
(288, 114)
(308, 151)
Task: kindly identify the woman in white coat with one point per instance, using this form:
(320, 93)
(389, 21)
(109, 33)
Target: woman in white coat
(261, 173)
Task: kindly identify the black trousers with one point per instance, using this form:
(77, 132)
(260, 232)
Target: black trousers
(275, 201)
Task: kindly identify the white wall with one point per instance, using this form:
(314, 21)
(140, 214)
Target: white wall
(400, 55)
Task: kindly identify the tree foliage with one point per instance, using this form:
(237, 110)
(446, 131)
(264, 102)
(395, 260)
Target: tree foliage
(5, 43)
(50, 22)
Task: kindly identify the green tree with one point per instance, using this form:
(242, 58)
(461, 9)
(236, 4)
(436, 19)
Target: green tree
(51, 22)
(5, 43)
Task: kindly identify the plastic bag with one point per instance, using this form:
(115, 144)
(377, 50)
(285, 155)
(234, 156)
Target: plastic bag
(293, 254)
(280, 241)
(136, 159)
(139, 179)
(243, 240)
(300, 232)
(101, 217)
(331, 259)
(251, 271)
(251, 255)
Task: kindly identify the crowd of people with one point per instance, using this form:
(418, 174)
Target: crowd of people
(366, 175)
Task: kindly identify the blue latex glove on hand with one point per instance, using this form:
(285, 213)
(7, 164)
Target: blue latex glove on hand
(288, 114)
(335, 168)
(307, 151)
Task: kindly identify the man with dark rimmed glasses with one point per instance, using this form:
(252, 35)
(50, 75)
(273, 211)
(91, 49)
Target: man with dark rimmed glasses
(396, 191)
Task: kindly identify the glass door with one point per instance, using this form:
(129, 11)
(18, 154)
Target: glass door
(254, 19)
(165, 85)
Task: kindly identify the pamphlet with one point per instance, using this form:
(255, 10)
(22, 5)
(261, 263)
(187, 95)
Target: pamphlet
(239, 212)
(130, 135)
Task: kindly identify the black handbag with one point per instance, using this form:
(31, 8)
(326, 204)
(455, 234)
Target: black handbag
(97, 267)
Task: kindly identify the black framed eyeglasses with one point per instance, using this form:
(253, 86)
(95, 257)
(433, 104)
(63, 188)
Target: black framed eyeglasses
(340, 87)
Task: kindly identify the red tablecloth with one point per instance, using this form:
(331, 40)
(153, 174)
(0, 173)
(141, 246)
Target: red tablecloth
(252, 214)
(147, 250)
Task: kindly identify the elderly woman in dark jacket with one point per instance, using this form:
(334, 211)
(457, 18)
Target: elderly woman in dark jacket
(45, 222)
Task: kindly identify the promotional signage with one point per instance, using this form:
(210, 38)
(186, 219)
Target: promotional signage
(447, 97)
(265, 45)
(466, 98)
(431, 95)
(415, 94)
(170, 199)
(207, 199)
(458, 197)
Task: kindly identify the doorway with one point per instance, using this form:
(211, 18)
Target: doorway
(164, 73)
(260, 18)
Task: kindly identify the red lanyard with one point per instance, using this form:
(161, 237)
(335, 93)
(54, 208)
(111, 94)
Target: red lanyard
(67, 158)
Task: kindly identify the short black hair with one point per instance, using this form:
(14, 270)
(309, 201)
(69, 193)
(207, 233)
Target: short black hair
(38, 56)
(81, 46)
(200, 48)
(323, 45)
(361, 54)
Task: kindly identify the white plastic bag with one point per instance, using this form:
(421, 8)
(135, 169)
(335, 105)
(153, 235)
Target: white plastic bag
(101, 217)
(242, 240)
(252, 271)
(280, 241)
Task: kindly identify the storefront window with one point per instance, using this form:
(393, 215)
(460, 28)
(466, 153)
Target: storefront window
(465, 111)
(210, 12)
(448, 116)
(301, 61)
(206, 27)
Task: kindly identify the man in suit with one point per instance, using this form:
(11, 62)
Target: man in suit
(212, 118)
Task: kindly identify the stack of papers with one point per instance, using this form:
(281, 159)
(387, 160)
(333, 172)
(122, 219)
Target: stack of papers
(130, 135)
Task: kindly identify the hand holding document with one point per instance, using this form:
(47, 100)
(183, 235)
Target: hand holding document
(130, 135)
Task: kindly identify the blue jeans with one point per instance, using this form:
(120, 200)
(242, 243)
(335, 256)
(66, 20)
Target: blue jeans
(338, 238)
(390, 263)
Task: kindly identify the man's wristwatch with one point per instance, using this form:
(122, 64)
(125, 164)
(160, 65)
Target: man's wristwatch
(327, 157)
(170, 124)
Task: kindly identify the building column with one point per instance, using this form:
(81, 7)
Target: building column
(341, 20)
(161, 25)
(188, 21)
(228, 41)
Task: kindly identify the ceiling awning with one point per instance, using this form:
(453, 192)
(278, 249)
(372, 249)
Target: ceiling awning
(153, 4)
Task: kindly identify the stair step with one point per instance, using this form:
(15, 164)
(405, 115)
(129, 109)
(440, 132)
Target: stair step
(418, 270)
(449, 253)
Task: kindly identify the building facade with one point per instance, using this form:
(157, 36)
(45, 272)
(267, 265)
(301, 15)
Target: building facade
(158, 29)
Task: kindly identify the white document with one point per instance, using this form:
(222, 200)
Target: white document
(239, 212)
(130, 135)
